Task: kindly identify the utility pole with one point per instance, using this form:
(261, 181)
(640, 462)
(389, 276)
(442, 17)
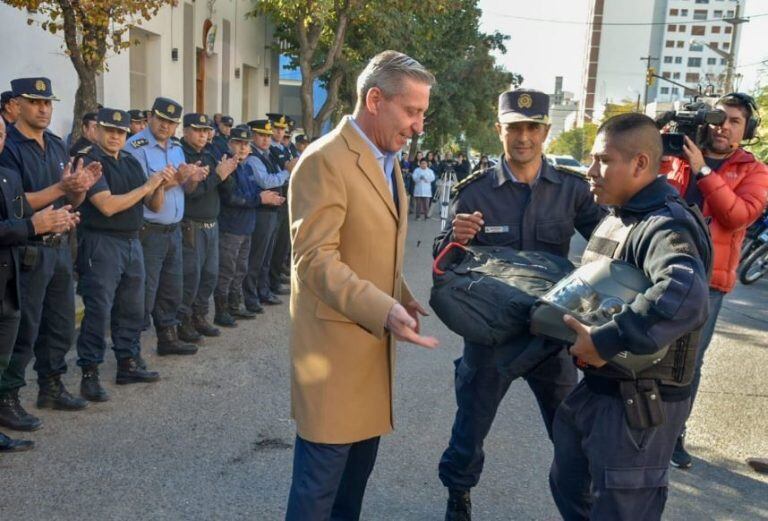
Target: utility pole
(649, 75)
(731, 58)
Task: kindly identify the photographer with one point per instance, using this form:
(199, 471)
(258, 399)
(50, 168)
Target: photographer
(730, 187)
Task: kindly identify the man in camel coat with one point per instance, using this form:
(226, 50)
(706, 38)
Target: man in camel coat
(349, 302)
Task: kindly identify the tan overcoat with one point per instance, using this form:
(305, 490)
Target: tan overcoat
(348, 240)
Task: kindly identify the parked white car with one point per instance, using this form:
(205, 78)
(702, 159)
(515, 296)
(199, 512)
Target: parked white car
(568, 161)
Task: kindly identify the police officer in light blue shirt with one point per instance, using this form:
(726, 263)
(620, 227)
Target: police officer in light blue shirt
(161, 234)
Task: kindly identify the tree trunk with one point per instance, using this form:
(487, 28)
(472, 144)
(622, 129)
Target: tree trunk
(307, 104)
(85, 99)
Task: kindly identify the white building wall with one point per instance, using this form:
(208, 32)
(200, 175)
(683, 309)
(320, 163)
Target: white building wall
(30, 51)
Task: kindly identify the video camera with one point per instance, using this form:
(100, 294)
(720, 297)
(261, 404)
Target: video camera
(693, 121)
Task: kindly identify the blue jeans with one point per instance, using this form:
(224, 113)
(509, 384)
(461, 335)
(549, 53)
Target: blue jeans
(112, 286)
(705, 338)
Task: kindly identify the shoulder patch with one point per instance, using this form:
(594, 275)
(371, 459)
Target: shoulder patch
(570, 171)
(461, 185)
(139, 143)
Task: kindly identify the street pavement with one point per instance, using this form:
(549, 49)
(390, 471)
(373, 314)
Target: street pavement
(212, 440)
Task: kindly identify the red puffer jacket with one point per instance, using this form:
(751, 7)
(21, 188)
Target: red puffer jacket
(734, 196)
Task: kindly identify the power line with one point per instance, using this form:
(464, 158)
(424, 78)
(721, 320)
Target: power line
(574, 22)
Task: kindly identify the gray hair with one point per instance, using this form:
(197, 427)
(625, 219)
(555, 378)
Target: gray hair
(386, 71)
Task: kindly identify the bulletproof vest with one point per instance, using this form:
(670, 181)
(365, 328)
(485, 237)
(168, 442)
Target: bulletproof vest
(609, 240)
(485, 293)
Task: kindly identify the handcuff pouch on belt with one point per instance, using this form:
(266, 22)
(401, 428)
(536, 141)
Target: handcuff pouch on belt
(642, 403)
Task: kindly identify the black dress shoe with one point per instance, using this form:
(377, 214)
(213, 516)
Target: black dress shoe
(168, 343)
(90, 386)
(128, 372)
(204, 327)
(53, 395)
(13, 415)
(281, 291)
(459, 506)
(10, 445)
(270, 300)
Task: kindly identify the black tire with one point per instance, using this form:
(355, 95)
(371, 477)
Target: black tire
(746, 248)
(758, 259)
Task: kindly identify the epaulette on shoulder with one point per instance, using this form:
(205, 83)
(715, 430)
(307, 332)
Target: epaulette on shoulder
(474, 176)
(570, 171)
(139, 143)
(84, 151)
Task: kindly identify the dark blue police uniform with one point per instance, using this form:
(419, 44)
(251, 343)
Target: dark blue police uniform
(46, 283)
(110, 263)
(16, 229)
(541, 217)
(604, 466)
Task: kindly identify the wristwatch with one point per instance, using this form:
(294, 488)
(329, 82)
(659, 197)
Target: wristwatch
(704, 172)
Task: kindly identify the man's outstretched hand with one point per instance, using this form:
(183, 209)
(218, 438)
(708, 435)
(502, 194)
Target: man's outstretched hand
(403, 322)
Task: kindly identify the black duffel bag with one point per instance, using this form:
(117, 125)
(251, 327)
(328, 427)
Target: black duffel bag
(485, 293)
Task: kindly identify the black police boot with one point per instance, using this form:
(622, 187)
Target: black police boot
(237, 310)
(680, 457)
(129, 372)
(187, 331)
(53, 395)
(222, 317)
(90, 386)
(13, 415)
(459, 506)
(10, 445)
(168, 343)
(204, 327)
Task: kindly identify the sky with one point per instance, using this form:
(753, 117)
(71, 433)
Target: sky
(541, 50)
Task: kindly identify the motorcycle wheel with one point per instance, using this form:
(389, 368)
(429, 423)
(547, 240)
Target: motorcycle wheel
(754, 266)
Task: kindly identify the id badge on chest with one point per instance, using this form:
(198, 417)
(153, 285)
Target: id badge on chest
(496, 229)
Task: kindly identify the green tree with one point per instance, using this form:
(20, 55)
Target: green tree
(614, 109)
(577, 142)
(443, 35)
(760, 148)
(91, 29)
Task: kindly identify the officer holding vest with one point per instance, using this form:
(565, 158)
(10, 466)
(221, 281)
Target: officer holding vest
(110, 258)
(200, 230)
(269, 176)
(614, 435)
(158, 153)
(47, 325)
(527, 204)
